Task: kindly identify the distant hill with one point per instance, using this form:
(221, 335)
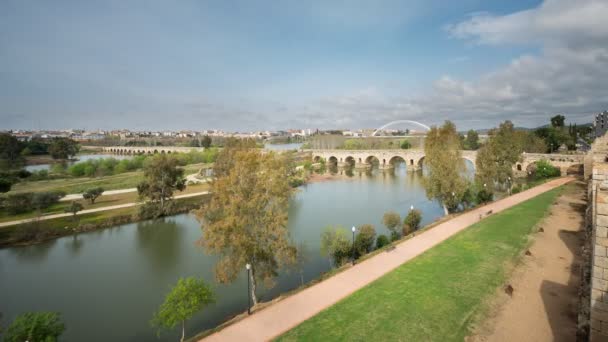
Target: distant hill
(486, 130)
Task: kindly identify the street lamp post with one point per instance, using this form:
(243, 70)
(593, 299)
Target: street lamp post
(248, 267)
(353, 253)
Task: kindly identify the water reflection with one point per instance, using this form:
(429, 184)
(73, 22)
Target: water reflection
(75, 246)
(33, 254)
(160, 241)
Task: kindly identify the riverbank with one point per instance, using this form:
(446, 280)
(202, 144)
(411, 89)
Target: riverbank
(38, 231)
(277, 318)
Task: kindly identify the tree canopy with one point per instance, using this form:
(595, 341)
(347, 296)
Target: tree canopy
(445, 180)
(495, 160)
(186, 298)
(245, 219)
(162, 177)
(63, 148)
(35, 326)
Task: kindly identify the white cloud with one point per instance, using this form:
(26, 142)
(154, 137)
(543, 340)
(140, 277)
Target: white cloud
(569, 75)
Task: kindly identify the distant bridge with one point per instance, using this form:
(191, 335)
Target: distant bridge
(414, 159)
(150, 149)
(401, 121)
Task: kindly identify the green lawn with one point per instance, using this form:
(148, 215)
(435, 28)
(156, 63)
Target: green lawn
(436, 296)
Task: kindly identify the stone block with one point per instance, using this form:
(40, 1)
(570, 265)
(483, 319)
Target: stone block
(600, 261)
(601, 220)
(597, 336)
(602, 208)
(597, 295)
(601, 241)
(598, 271)
(595, 324)
(599, 284)
(599, 305)
(599, 315)
(601, 232)
(599, 250)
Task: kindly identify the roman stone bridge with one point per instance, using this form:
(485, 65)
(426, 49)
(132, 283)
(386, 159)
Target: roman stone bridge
(414, 159)
(150, 149)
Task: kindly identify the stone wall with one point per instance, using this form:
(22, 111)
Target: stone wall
(598, 200)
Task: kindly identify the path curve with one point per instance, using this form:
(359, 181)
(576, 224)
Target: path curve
(95, 210)
(286, 314)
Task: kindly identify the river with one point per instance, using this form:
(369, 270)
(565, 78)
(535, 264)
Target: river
(107, 284)
(79, 158)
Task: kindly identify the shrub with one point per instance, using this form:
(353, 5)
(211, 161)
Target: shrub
(43, 200)
(5, 185)
(544, 169)
(364, 241)
(516, 189)
(18, 203)
(381, 241)
(484, 196)
(336, 245)
(412, 221)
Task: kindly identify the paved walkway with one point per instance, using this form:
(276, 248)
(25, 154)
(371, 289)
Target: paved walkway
(88, 211)
(293, 310)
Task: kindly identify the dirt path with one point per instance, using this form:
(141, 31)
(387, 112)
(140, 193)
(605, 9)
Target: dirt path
(293, 310)
(544, 303)
(88, 211)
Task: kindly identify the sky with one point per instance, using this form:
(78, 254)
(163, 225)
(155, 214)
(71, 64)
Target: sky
(257, 65)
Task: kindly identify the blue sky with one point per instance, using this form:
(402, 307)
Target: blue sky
(247, 65)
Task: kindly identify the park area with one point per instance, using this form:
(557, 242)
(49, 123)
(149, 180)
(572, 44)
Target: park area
(440, 294)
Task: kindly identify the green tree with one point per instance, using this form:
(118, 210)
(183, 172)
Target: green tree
(558, 121)
(411, 223)
(63, 148)
(206, 141)
(391, 220)
(74, 208)
(162, 177)
(189, 296)
(445, 180)
(530, 142)
(364, 241)
(405, 144)
(471, 142)
(495, 160)
(245, 219)
(92, 194)
(35, 326)
(336, 245)
(10, 151)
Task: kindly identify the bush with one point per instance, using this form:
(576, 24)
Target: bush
(391, 221)
(405, 145)
(484, 196)
(336, 245)
(18, 203)
(381, 241)
(412, 221)
(43, 200)
(5, 185)
(544, 169)
(516, 189)
(364, 241)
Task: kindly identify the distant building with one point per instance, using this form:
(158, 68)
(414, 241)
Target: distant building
(600, 124)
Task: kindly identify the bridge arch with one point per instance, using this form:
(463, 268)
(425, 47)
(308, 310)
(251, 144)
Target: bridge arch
(350, 160)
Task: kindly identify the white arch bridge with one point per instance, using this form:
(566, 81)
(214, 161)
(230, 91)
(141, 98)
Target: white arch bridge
(414, 159)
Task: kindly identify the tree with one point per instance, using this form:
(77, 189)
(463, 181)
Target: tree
(74, 208)
(336, 245)
(391, 220)
(364, 241)
(411, 223)
(92, 194)
(245, 219)
(35, 326)
(405, 144)
(63, 148)
(10, 151)
(558, 121)
(189, 296)
(206, 141)
(162, 177)
(471, 142)
(530, 142)
(445, 181)
(495, 160)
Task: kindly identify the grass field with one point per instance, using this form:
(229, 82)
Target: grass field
(103, 201)
(78, 185)
(436, 296)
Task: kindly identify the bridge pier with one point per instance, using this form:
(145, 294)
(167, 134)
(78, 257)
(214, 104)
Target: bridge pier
(363, 166)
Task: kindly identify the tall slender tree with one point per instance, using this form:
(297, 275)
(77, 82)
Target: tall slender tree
(495, 160)
(162, 177)
(245, 220)
(445, 181)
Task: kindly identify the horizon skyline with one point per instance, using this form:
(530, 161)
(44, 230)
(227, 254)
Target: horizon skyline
(241, 66)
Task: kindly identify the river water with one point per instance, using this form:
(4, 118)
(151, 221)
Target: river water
(107, 284)
(80, 158)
